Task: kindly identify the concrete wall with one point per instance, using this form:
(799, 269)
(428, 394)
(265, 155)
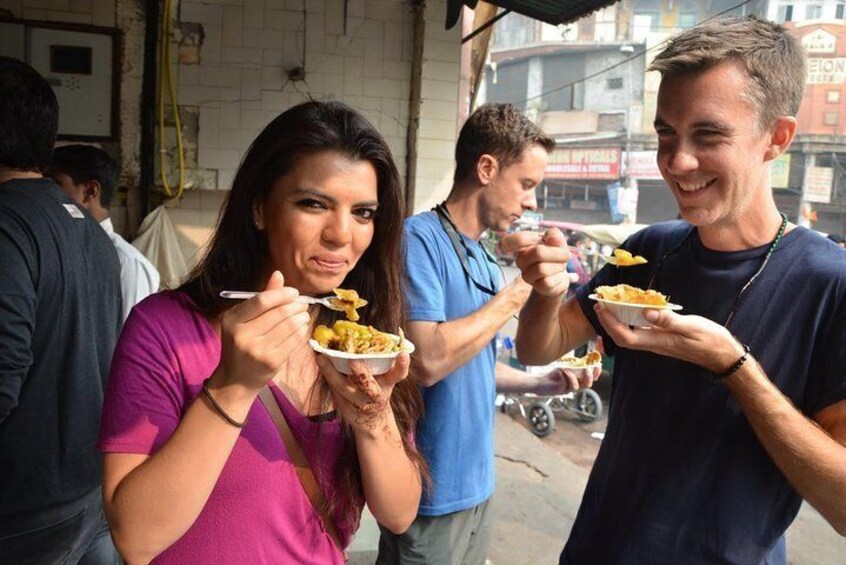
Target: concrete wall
(100, 12)
(439, 106)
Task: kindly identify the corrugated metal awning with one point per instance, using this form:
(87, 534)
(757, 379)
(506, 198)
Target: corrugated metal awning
(553, 12)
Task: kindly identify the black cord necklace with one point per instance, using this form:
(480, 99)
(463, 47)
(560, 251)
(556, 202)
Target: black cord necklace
(746, 286)
(448, 224)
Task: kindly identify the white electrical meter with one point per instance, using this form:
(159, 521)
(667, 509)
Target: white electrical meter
(79, 65)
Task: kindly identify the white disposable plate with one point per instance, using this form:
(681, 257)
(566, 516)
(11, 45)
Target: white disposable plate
(563, 365)
(632, 314)
(376, 363)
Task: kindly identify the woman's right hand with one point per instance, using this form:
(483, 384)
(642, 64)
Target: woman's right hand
(259, 334)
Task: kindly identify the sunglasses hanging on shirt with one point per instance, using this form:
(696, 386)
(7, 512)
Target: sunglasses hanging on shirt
(461, 249)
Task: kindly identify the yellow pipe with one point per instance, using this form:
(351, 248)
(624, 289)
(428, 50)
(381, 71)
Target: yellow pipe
(166, 77)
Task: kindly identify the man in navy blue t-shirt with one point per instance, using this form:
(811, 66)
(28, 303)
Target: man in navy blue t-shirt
(723, 417)
(59, 322)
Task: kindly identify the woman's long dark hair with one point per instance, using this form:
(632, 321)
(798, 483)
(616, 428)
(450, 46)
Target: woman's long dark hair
(238, 256)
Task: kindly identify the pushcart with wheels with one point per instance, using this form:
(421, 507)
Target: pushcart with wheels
(541, 410)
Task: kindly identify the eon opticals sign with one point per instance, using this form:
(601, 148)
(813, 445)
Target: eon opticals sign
(584, 163)
(829, 70)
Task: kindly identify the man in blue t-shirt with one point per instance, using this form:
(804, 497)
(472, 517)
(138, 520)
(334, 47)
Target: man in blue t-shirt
(724, 418)
(456, 308)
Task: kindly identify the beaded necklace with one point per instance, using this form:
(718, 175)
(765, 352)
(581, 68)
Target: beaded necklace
(746, 286)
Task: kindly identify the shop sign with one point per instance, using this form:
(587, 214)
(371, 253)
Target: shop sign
(819, 41)
(584, 164)
(780, 171)
(641, 165)
(818, 181)
(627, 201)
(828, 70)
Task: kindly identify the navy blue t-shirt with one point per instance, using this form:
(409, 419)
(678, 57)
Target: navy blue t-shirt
(680, 476)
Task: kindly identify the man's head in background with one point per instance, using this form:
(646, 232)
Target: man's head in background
(88, 175)
(578, 239)
(504, 153)
(29, 118)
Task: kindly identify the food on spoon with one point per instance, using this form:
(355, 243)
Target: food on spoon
(592, 358)
(623, 258)
(350, 337)
(631, 295)
(347, 301)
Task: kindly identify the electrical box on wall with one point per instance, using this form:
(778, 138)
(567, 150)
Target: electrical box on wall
(79, 64)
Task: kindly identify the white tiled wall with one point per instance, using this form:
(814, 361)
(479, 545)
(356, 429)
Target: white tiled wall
(439, 108)
(92, 12)
(240, 82)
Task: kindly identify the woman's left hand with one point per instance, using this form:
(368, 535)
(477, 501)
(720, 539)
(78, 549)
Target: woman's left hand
(361, 399)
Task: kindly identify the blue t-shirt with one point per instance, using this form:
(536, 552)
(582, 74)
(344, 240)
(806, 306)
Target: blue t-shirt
(680, 476)
(456, 432)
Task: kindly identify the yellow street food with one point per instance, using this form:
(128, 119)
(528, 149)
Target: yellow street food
(350, 337)
(348, 301)
(592, 358)
(626, 259)
(631, 295)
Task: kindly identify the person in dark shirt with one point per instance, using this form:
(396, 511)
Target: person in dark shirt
(838, 239)
(60, 314)
(725, 416)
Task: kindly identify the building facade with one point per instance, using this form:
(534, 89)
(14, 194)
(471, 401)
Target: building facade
(586, 85)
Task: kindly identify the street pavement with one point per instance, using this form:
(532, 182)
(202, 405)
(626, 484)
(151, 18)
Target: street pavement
(538, 493)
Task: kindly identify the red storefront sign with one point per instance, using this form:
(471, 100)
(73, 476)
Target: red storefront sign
(584, 164)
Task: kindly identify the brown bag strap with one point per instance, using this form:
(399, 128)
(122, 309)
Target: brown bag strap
(301, 465)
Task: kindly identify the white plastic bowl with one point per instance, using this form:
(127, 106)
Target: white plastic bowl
(575, 368)
(632, 314)
(376, 363)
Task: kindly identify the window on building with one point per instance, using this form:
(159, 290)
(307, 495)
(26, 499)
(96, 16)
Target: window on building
(824, 160)
(644, 22)
(831, 118)
(840, 11)
(606, 25)
(615, 83)
(785, 13)
(578, 100)
(513, 31)
(813, 11)
(687, 19)
(832, 97)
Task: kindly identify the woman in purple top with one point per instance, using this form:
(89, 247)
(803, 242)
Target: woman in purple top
(315, 205)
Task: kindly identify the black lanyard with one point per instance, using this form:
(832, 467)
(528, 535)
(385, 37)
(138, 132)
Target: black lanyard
(461, 249)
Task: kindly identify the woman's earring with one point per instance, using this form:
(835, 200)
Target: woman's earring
(259, 227)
